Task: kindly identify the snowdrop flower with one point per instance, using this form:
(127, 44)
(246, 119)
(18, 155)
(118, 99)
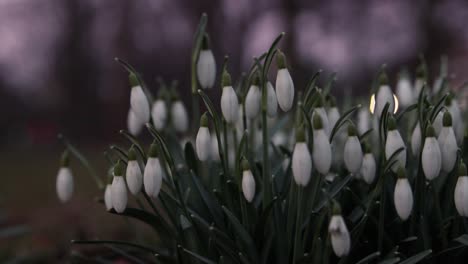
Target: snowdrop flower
(321, 153)
(458, 123)
(352, 151)
(248, 182)
(284, 83)
(179, 115)
(206, 65)
(340, 239)
(272, 103)
(393, 143)
(416, 140)
(133, 174)
(333, 114)
(119, 190)
(252, 100)
(64, 183)
(363, 120)
(203, 140)
(403, 196)
(159, 114)
(404, 90)
(461, 191)
(154, 172)
(384, 95)
(134, 124)
(438, 122)
(369, 166)
(431, 158)
(320, 111)
(301, 160)
(229, 101)
(214, 147)
(108, 197)
(448, 144)
(138, 101)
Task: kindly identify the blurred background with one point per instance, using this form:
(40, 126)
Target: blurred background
(58, 75)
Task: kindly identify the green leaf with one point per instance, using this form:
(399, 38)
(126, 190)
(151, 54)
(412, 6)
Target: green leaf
(270, 54)
(437, 108)
(196, 51)
(329, 84)
(334, 190)
(417, 258)
(198, 257)
(130, 69)
(341, 121)
(135, 142)
(191, 157)
(405, 111)
(463, 239)
(390, 260)
(370, 257)
(392, 160)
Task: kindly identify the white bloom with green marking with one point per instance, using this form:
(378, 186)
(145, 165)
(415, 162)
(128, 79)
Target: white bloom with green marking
(431, 158)
(352, 151)
(383, 96)
(64, 183)
(339, 234)
(403, 196)
(154, 173)
(395, 142)
(369, 167)
(159, 114)
(248, 182)
(134, 124)
(301, 160)
(252, 100)
(203, 140)
(138, 101)
(321, 153)
(108, 197)
(272, 102)
(179, 116)
(229, 100)
(448, 144)
(133, 173)
(461, 191)
(404, 91)
(206, 66)
(119, 189)
(284, 84)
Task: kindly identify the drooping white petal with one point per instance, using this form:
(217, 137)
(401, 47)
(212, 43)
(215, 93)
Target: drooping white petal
(134, 124)
(403, 198)
(206, 69)
(252, 102)
(416, 140)
(404, 92)
(159, 114)
(153, 176)
(448, 148)
(393, 143)
(229, 104)
(272, 103)
(64, 184)
(134, 177)
(321, 153)
(384, 96)
(353, 154)
(203, 142)
(340, 239)
(368, 168)
(119, 194)
(108, 197)
(248, 185)
(139, 104)
(179, 116)
(301, 164)
(284, 89)
(461, 196)
(431, 158)
(333, 116)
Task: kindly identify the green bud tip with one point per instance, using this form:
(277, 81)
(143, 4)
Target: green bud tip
(204, 120)
(352, 131)
(245, 164)
(448, 100)
(462, 169)
(133, 79)
(153, 150)
(119, 168)
(256, 79)
(430, 131)
(391, 123)
(367, 148)
(383, 78)
(336, 209)
(300, 134)
(401, 173)
(226, 79)
(132, 153)
(447, 120)
(280, 60)
(65, 159)
(317, 121)
(205, 45)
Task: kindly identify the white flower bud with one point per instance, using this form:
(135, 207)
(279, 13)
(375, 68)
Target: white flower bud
(139, 104)
(64, 184)
(403, 196)
(229, 104)
(384, 96)
(206, 69)
(284, 89)
(159, 114)
(458, 122)
(203, 142)
(323, 115)
(461, 192)
(134, 124)
(340, 239)
(448, 145)
(252, 102)
(153, 176)
(353, 152)
(179, 116)
(393, 143)
(108, 197)
(248, 185)
(431, 158)
(272, 103)
(368, 168)
(404, 92)
(214, 148)
(416, 140)
(301, 161)
(133, 173)
(119, 189)
(321, 153)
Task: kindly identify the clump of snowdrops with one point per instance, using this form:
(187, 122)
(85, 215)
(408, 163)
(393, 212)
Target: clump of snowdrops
(306, 182)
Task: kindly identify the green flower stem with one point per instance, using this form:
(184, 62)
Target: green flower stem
(265, 144)
(381, 225)
(297, 233)
(226, 147)
(438, 212)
